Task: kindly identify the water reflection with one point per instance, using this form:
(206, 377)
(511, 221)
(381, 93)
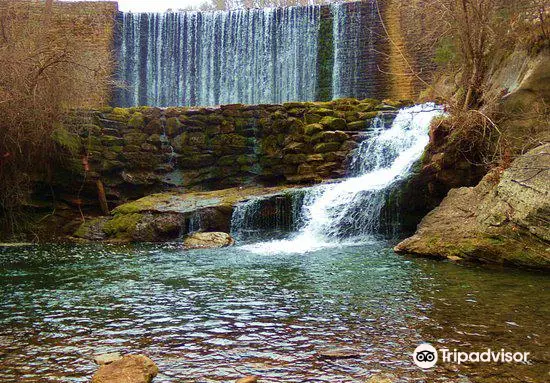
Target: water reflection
(209, 316)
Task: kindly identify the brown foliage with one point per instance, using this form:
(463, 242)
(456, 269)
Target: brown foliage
(45, 72)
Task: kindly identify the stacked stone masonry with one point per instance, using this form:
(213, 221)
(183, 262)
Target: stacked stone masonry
(136, 151)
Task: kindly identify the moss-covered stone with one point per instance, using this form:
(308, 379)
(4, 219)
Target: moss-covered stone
(135, 138)
(136, 121)
(326, 147)
(68, 141)
(312, 118)
(229, 143)
(112, 141)
(367, 115)
(333, 123)
(119, 114)
(358, 125)
(179, 142)
(294, 158)
(322, 111)
(312, 129)
(122, 225)
(173, 126)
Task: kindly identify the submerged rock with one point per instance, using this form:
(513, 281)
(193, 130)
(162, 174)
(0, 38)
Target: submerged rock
(499, 221)
(128, 369)
(107, 358)
(385, 378)
(247, 379)
(339, 353)
(208, 240)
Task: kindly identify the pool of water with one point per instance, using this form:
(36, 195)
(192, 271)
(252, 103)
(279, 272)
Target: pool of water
(216, 315)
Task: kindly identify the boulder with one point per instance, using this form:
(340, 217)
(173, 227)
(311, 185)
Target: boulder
(107, 358)
(339, 353)
(128, 369)
(504, 219)
(247, 379)
(208, 240)
(333, 123)
(382, 378)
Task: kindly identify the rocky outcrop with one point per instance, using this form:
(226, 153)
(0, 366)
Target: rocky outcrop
(504, 219)
(210, 240)
(128, 369)
(169, 216)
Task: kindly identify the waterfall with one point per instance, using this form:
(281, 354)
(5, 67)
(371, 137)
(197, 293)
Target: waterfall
(248, 56)
(356, 29)
(350, 210)
(210, 58)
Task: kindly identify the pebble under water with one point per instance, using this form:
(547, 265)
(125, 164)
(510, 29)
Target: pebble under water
(217, 315)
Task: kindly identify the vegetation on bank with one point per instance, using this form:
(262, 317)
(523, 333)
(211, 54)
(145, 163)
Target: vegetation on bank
(476, 43)
(45, 72)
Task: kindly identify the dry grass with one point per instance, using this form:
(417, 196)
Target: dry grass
(45, 72)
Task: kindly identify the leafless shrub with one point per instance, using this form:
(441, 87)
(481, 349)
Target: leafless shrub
(45, 72)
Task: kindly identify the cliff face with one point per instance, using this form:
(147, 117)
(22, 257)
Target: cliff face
(504, 218)
(503, 221)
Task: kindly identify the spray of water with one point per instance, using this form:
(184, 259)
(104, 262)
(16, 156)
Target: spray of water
(349, 211)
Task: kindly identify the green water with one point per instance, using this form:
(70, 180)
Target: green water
(209, 316)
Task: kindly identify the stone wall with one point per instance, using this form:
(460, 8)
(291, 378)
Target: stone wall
(138, 151)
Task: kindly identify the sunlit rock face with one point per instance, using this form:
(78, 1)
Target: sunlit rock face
(255, 56)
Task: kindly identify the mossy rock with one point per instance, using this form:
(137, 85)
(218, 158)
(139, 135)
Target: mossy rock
(68, 141)
(110, 165)
(131, 148)
(358, 125)
(333, 123)
(294, 158)
(345, 101)
(91, 229)
(89, 129)
(116, 149)
(368, 115)
(119, 114)
(173, 126)
(228, 143)
(122, 225)
(196, 161)
(154, 127)
(312, 129)
(312, 118)
(179, 142)
(112, 141)
(326, 147)
(295, 126)
(135, 138)
(315, 158)
(329, 136)
(297, 147)
(197, 139)
(137, 121)
(154, 139)
(322, 111)
(247, 159)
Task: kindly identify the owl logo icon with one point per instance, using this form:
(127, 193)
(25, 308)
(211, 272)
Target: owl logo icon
(425, 356)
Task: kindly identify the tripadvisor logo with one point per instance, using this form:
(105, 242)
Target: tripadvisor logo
(426, 356)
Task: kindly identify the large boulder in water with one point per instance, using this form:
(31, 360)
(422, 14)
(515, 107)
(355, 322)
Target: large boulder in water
(208, 240)
(504, 219)
(129, 369)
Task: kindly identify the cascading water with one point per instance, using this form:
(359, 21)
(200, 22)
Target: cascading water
(347, 211)
(249, 56)
(209, 58)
